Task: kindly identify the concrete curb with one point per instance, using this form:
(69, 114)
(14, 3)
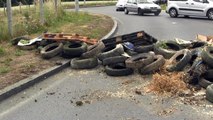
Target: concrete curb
(28, 82)
(113, 30)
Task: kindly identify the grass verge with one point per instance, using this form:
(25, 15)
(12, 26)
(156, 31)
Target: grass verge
(16, 64)
(89, 4)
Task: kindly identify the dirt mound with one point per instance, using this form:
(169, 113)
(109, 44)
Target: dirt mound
(165, 82)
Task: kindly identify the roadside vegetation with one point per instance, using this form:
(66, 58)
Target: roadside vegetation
(17, 64)
(89, 4)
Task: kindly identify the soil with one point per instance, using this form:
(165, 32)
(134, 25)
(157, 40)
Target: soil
(16, 64)
(20, 67)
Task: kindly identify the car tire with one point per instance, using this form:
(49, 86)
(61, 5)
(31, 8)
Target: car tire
(84, 63)
(159, 48)
(207, 78)
(209, 93)
(186, 16)
(210, 14)
(156, 14)
(118, 70)
(51, 50)
(16, 40)
(204, 82)
(144, 48)
(94, 50)
(140, 60)
(114, 60)
(173, 13)
(117, 51)
(158, 62)
(126, 11)
(28, 47)
(74, 49)
(206, 55)
(140, 12)
(179, 60)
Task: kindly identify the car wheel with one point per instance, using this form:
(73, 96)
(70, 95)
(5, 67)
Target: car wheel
(210, 14)
(126, 11)
(140, 11)
(186, 16)
(173, 13)
(157, 13)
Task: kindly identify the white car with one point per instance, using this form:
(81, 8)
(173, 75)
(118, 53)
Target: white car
(120, 5)
(187, 8)
(141, 7)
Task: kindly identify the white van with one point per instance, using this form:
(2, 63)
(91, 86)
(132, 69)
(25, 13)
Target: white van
(190, 8)
(120, 5)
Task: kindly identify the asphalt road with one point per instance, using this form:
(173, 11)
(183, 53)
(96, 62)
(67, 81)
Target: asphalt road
(161, 27)
(109, 98)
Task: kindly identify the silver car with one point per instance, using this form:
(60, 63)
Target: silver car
(141, 7)
(190, 8)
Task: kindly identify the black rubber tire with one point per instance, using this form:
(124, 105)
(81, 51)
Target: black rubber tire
(195, 72)
(209, 93)
(114, 60)
(197, 44)
(84, 63)
(139, 60)
(178, 65)
(186, 16)
(156, 14)
(140, 12)
(158, 62)
(204, 83)
(45, 42)
(210, 14)
(74, 49)
(49, 54)
(207, 78)
(158, 48)
(28, 47)
(117, 51)
(126, 11)
(131, 53)
(16, 40)
(173, 13)
(209, 74)
(144, 48)
(118, 70)
(207, 55)
(94, 50)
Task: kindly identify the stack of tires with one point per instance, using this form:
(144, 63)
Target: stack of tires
(195, 59)
(142, 54)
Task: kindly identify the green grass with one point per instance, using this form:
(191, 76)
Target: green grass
(89, 4)
(4, 70)
(18, 52)
(27, 22)
(2, 51)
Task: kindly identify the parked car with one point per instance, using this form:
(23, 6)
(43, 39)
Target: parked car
(187, 8)
(141, 7)
(120, 5)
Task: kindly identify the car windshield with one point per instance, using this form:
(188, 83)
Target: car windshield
(143, 1)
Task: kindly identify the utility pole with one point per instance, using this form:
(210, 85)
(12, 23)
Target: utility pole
(41, 3)
(76, 6)
(56, 7)
(84, 2)
(9, 18)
